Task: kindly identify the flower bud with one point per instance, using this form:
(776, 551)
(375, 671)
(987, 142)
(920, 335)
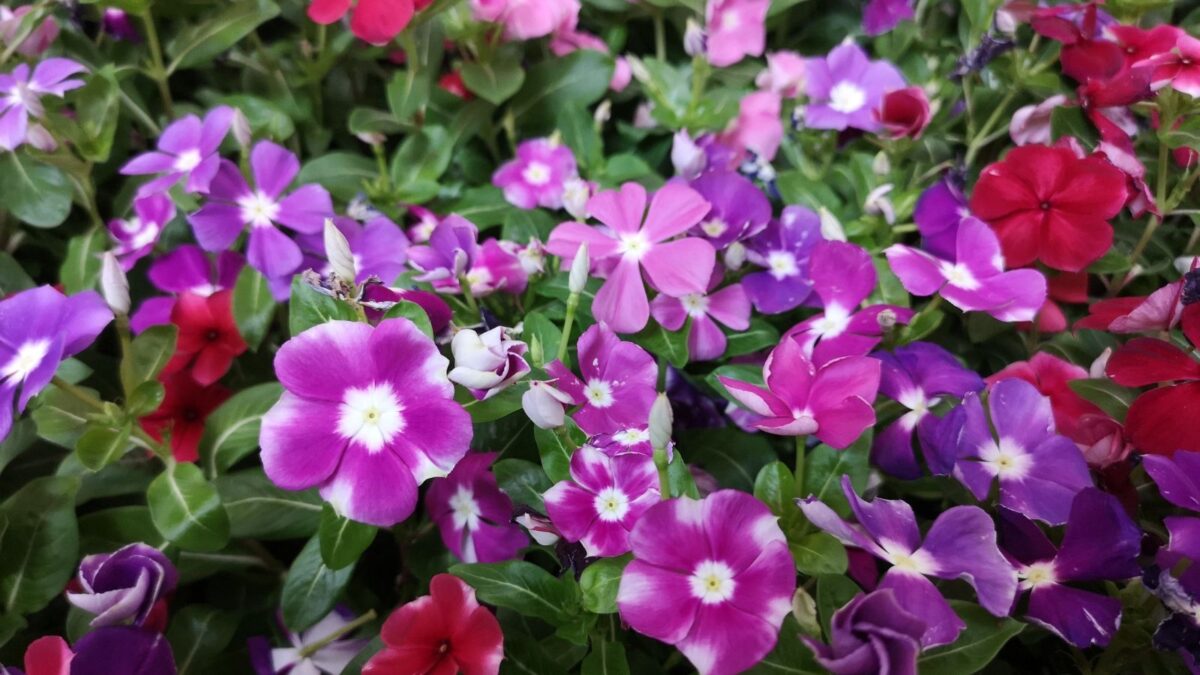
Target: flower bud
(337, 250)
(121, 587)
(638, 69)
(576, 193)
(831, 227)
(735, 256)
(878, 203)
(693, 38)
(545, 405)
(371, 138)
(487, 364)
(1096, 370)
(661, 421)
(687, 157)
(580, 266)
(603, 113)
(540, 528)
(886, 319)
(114, 286)
(241, 128)
(881, 165)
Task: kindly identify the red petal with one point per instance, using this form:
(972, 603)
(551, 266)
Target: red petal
(1020, 237)
(327, 11)
(1093, 188)
(1164, 420)
(1145, 361)
(1071, 243)
(378, 21)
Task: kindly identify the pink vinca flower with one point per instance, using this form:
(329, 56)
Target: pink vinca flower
(706, 341)
(722, 567)
(736, 28)
(473, 514)
(618, 382)
(603, 500)
(636, 239)
(831, 402)
(367, 415)
(975, 281)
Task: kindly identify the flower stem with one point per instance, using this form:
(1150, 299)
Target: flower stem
(82, 395)
(159, 73)
(468, 297)
(1152, 226)
(664, 481)
(572, 305)
(660, 36)
(354, 625)
(801, 446)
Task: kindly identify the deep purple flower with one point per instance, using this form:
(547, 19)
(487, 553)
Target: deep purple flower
(871, 634)
(330, 659)
(122, 586)
(706, 341)
(938, 212)
(135, 236)
(187, 269)
(845, 88)
(617, 386)
(693, 408)
(233, 206)
(783, 248)
(119, 25)
(187, 151)
(21, 96)
(881, 16)
(1178, 480)
(38, 329)
(475, 517)
(123, 649)
(739, 209)
(536, 175)
(917, 376)
(603, 500)
(631, 441)
(1100, 543)
(961, 544)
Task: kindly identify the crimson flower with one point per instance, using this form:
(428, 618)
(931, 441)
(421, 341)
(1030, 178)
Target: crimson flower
(904, 112)
(1179, 67)
(374, 21)
(1046, 204)
(183, 411)
(446, 631)
(1083, 56)
(208, 337)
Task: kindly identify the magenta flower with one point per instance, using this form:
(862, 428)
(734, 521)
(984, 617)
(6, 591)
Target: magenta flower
(881, 16)
(939, 211)
(122, 586)
(233, 205)
(187, 269)
(367, 415)
(961, 544)
(845, 88)
(473, 514)
(975, 281)
(453, 252)
(21, 96)
(379, 246)
(706, 341)
(758, 127)
(783, 249)
(722, 567)
(831, 402)
(187, 151)
(843, 276)
(636, 239)
(634, 440)
(739, 209)
(535, 177)
(603, 500)
(736, 28)
(135, 236)
(618, 382)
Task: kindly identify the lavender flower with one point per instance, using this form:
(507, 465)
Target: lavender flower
(330, 659)
(845, 88)
(187, 151)
(783, 248)
(122, 586)
(939, 211)
(738, 209)
(135, 236)
(187, 269)
(21, 97)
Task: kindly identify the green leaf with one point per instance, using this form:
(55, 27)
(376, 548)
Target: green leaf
(148, 354)
(81, 268)
(408, 92)
(344, 174)
(483, 205)
(145, 399)
(10, 625)
(825, 466)
(404, 309)
(311, 589)
(259, 510)
(20, 438)
(1070, 121)
(819, 553)
(760, 335)
(741, 372)
(524, 588)
(672, 345)
(40, 540)
(543, 336)
(110, 529)
(12, 277)
(60, 417)
(38, 194)
(100, 446)
(600, 582)
(422, 157)
(309, 307)
(680, 482)
(523, 481)
(265, 117)
(580, 78)
(342, 540)
(503, 404)
(97, 109)
(496, 79)
(732, 456)
(775, 486)
(579, 133)
(521, 226)
(231, 431)
(975, 647)
(198, 44)
(187, 510)
(1111, 397)
(606, 658)
(253, 306)
(555, 446)
(199, 633)
(131, 6)
(922, 325)
(790, 656)
(833, 592)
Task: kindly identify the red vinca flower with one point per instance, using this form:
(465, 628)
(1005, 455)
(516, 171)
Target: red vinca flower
(208, 337)
(184, 408)
(374, 21)
(1046, 204)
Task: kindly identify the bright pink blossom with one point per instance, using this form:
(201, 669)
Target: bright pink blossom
(473, 514)
(618, 382)
(706, 341)
(603, 500)
(736, 29)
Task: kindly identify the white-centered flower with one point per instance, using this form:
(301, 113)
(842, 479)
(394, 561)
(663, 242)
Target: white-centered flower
(536, 173)
(27, 359)
(371, 416)
(258, 209)
(464, 509)
(599, 393)
(611, 504)
(187, 160)
(847, 97)
(782, 264)
(712, 582)
(1006, 458)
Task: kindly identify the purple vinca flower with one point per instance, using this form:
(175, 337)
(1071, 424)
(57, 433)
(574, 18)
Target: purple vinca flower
(843, 275)
(975, 280)
(939, 211)
(961, 544)
(845, 88)
(1100, 543)
(187, 151)
(1038, 470)
(535, 177)
(873, 633)
(473, 514)
(917, 376)
(881, 16)
(187, 269)
(329, 659)
(135, 236)
(783, 248)
(634, 440)
(453, 253)
(617, 386)
(1178, 480)
(233, 205)
(38, 329)
(603, 500)
(21, 96)
(739, 209)
(123, 649)
(122, 586)
(379, 246)
(367, 414)
(706, 341)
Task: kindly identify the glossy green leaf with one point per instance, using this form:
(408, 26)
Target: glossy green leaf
(309, 307)
(600, 582)
(671, 345)
(404, 309)
(253, 306)
(197, 44)
(343, 540)
(759, 336)
(80, 270)
(825, 466)
(38, 194)
(100, 445)
(40, 540)
(606, 658)
(819, 553)
(310, 588)
(198, 634)
(555, 446)
(496, 79)
(259, 510)
(187, 510)
(522, 587)
(231, 431)
(1111, 397)
(149, 353)
(523, 481)
(975, 647)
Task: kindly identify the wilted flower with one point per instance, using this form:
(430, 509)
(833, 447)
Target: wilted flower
(122, 586)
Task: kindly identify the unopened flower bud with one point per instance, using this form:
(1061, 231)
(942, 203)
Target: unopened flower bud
(580, 266)
(540, 528)
(661, 421)
(804, 608)
(831, 227)
(337, 250)
(881, 165)
(576, 193)
(371, 138)
(735, 256)
(545, 405)
(603, 113)
(1096, 370)
(886, 319)
(241, 128)
(878, 203)
(639, 70)
(693, 38)
(114, 286)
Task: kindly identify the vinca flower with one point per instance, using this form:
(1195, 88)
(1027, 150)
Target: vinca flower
(487, 364)
(706, 341)
(329, 659)
(123, 586)
(617, 388)
(187, 153)
(537, 175)
(135, 236)
(783, 249)
(603, 500)
(21, 92)
(873, 633)
(187, 269)
(473, 514)
(845, 89)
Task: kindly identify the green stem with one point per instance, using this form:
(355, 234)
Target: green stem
(344, 630)
(801, 446)
(1164, 154)
(156, 59)
(982, 138)
(465, 286)
(572, 305)
(660, 36)
(664, 481)
(81, 395)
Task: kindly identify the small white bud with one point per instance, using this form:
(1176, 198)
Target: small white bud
(580, 267)
(881, 165)
(603, 113)
(545, 405)
(886, 319)
(114, 286)
(661, 421)
(1096, 370)
(371, 138)
(693, 38)
(639, 70)
(337, 250)
(878, 203)
(831, 227)
(241, 128)
(1184, 264)
(735, 256)
(687, 157)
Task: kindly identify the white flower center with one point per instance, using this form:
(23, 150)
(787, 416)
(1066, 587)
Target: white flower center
(630, 437)
(712, 582)
(909, 562)
(847, 97)
(259, 210)
(611, 504)
(479, 278)
(1006, 458)
(634, 245)
(464, 509)
(695, 304)
(834, 322)
(187, 160)
(918, 406)
(131, 225)
(21, 95)
(715, 227)
(782, 264)
(370, 416)
(536, 174)
(1037, 574)
(807, 423)
(27, 359)
(599, 393)
(959, 276)
(730, 21)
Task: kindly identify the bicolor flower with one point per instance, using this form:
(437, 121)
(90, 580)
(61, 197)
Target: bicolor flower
(537, 175)
(487, 364)
(845, 89)
(783, 249)
(735, 29)
(187, 269)
(739, 209)
(634, 440)
(233, 206)
(871, 634)
(185, 407)
(722, 566)
(1100, 543)
(330, 658)
(975, 280)
(135, 236)
(832, 401)
(473, 514)
(367, 415)
(39, 328)
(21, 93)
(634, 239)
(618, 384)
(917, 376)
(1178, 67)
(706, 341)
(603, 500)
(208, 339)
(961, 544)
(187, 151)
(122, 587)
